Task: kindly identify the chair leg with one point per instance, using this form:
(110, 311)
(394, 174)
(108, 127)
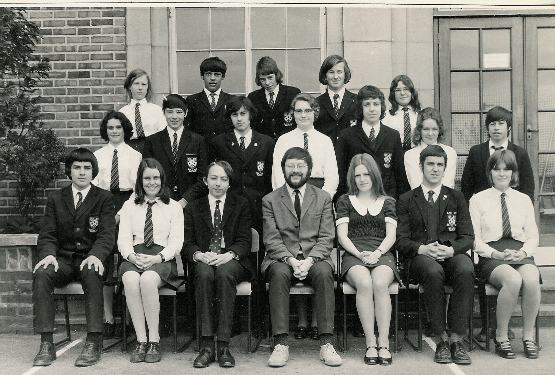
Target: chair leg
(419, 323)
(487, 324)
(197, 319)
(249, 325)
(396, 318)
(174, 323)
(471, 326)
(406, 317)
(124, 323)
(538, 329)
(68, 327)
(344, 322)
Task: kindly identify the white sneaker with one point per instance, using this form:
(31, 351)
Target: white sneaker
(330, 356)
(279, 356)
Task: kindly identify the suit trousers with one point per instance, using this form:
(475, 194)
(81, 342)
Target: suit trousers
(44, 282)
(320, 277)
(215, 292)
(458, 272)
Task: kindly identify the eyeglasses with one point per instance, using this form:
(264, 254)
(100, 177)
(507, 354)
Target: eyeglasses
(305, 111)
(296, 166)
(398, 91)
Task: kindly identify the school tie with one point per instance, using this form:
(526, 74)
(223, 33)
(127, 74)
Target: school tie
(372, 136)
(297, 203)
(149, 227)
(505, 218)
(497, 148)
(79, 200)
(271, 102)
(213, 101)
(305, 136)
(242, 143)
(216, 241)
(336, 103)
(406, 130)
(114, 176)
(174, 149)
(138, 122)
(430, 197)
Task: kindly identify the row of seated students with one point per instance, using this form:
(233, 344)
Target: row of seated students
(184, 156)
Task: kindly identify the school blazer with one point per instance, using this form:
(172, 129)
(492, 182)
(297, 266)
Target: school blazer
(202, 120)
(455, 224)
(66, 232)
(331, 124)
(276, 121)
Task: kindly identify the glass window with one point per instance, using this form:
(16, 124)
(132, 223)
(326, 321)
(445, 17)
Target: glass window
(496, 90)
(546, 55)
(464, 49)
(465, 91)
(496, 49)
(546, 90)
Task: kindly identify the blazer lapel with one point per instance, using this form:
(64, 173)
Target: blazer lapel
(364, 139)
(205, 212)
(229, 207)
(67, 195)
(166, 144)
(444, 197)
(204, 100)
(326, 103)
(253, 148)
(484, 153)
(345, 104)
(380, 138)
(418, 195)
(307, 200)
(279, 98)
(87, 202)
(286, 200)
(183, 143)
(223, 98)
(233, 145)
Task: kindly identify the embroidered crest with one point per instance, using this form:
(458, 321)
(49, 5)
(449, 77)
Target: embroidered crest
(191, 164)
(451, 221)
(93, 224)
(288, 119)
(260, 168)
(353, 122)
(387, 159)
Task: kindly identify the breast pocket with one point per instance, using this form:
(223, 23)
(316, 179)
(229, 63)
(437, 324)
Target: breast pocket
(192, 163)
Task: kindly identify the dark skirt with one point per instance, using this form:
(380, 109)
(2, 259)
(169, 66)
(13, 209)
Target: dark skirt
(487, 265)
(166, 270)
(348, 260)
(119, 198)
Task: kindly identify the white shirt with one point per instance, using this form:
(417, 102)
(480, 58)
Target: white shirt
(216, 93)
(367, 128)
(436, 191)
(248, 137)
(490, 145)
(171, 132)
(414, 172)
(397, 121)
(485, 212)
(320, 149)
(83, 192)
(128, 164)
(291, 192)
(152, 117)
(276, 91)
(167, 223)
(212, 203)
(341, 93)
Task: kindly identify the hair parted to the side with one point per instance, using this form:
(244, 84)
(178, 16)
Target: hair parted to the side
(312, 102)
(414, 102)
(265, 66)
(369, 92)
(432, 150)
(235, 104)
(374, 171)
(164, 193)
(426, 114)
(328, 63)
(297, 153)
(506, 158)
(131, 77)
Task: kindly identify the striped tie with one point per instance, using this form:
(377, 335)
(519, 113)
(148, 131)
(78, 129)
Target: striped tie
(406, 129)
(174, 149)
(242, 143)
(305, 136)
(79, 200)
(505, 218)
(212, 101)
(216, 240)
(149, 228)
(114, 177)
(336, 103)
(372, 136)
(271, 102)
(138, 122)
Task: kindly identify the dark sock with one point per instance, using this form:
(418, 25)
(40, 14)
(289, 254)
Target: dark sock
(326, 338)
(207, 342)
(281, 339)
(94, 337)
(47, 337)
(222, 344)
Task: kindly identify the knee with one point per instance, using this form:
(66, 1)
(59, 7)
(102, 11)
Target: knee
(512, 283)
(130, 280)
(223, 276)
(531, 278)
(43, 276)
(90, 275)
(279, 274)
(363, 284)
(204, 274)
(380, 285)
(434, 275)
(149, 281)
(322, 273)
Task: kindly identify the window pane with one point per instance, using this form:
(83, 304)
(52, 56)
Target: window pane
(188, 71)
(496, 90)
(546, 131)
(464, 49)
(277, 55)
(228, 28)
(546, 54)
(189, 19)
(465, 132)
(496, 48)
(547, 185)
(546, 90)
(234, 82)
(303, 67)
(303, 27)
(461, 160)
(268, 27)
(464, 92)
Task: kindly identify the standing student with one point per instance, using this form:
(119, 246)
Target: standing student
(117, 170)
(206, 109)
(404, 109)
(272, 100)
(145, 117)
(337, 105)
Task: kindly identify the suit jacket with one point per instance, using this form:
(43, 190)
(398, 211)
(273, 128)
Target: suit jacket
(202, 120)
(186, 182)
(330, 124)
(455, 224)
(284, 236)
(474, 178)
(90, 230)
(271, 121)
(236, 227)
(386, 151)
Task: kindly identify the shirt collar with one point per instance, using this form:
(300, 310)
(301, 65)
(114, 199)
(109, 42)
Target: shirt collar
(178, 131)
(134, 102)
(217, 92)
(118, 147)
(367, 127)
(84, 191)
(291, 191)
(340, 93)
(505, 144)
(212, 201)
(309, 132)
(247, 136)
(436, 191)
(275, 91)
(497, 192)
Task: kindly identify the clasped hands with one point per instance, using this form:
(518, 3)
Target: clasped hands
(509, 255)
(437, 251)
(370, 257)
(214, 259)
(300, 267)
(144, 261)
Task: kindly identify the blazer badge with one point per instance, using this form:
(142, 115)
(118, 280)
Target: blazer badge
(260, 168)
(387, 159)
(451, 221)
(93, 224)
(288, 118)
(353, 122)
(191, 164)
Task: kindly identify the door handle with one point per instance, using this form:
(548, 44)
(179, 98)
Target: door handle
(529, 131)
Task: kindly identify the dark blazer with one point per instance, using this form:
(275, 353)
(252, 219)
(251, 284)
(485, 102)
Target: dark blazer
(202, 120)
(412, 227)
(272, 121)
(386, 151)
(474, 178)
(252, 168)
(330, 124)
(90, 230)
(236, 224)
(191, 162)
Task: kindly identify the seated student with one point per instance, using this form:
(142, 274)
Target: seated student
(206, 109)
(117, 170)
(217, 242)
(180, 151)
(404, 109)
(150, 236)
(337, 105)
(369, 136)
(434, 232)
(429, 131)
(250, 155)
(298, 235)
(76, 237)
(272, 100)
(146, 118)
(506, 240)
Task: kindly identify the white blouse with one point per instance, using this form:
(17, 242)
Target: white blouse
(128, 164)
(414, 173)
(152, 117)
(167, 221)
(485, 211)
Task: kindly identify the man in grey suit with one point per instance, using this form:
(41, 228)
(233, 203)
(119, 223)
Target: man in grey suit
(298, 235)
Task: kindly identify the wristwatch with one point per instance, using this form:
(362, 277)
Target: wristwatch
(162, 257)
(234, 255)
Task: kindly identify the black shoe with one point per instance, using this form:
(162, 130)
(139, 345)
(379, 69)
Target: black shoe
(504, 349)
(109, 331)
(204, 358)
(90, 354)
(46, 354)
(384, 361)
(139, 353)
(371, 360)
(531, 349)
(358, 331)
(225, 359)
(153, 353)
(443, 355)
(313, 333)
(300, 333)
(481, 337)
(458, 355)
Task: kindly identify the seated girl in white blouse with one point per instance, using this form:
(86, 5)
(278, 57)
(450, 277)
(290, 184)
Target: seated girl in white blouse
(506, 237)
(150, 237)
